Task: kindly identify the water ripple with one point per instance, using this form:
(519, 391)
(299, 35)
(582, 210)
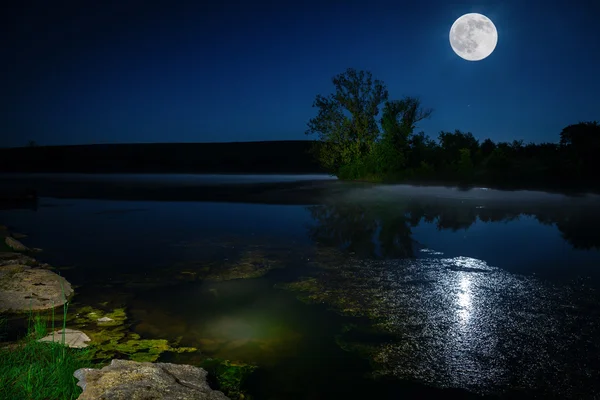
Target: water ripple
(462, 323)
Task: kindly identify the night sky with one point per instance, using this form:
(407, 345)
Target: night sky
(186, 71)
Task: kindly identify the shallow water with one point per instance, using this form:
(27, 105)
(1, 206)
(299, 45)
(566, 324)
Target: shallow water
(487, 291)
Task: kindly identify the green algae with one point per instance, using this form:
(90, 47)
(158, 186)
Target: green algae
(88, 315)
(113, 338)
(137, 349)
(230, 376)
(253, 263)
(225, 261)
(346, 302)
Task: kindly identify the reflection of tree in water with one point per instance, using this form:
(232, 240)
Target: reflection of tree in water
(581, 230)
(384, 229)
(359, 229)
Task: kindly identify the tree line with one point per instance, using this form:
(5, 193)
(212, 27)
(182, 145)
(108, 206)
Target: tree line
(363, 135)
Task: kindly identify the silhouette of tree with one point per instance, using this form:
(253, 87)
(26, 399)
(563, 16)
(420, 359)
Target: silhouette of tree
(487, 147)
(581, 145)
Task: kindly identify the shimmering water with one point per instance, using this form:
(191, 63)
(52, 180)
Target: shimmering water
(355, 291)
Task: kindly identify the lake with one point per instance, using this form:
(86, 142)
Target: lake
(337, 289)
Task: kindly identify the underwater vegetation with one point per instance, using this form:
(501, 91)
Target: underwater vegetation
(111, 337)
(230, 377)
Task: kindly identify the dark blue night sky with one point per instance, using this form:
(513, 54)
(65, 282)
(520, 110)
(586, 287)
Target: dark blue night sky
(188, 71)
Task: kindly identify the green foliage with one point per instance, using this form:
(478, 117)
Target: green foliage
(354, 146)
(229, 376)
(346, 123)
(451, 145)
(399, 120)
(351, 143)
(425, 170)
(498, 161)
(465, 164)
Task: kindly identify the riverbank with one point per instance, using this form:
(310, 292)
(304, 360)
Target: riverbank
(48, 363)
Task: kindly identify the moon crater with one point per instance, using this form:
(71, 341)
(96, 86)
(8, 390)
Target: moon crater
(473, 37)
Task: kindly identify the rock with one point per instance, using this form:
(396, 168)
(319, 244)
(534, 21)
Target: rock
(23, 288)
(11, 258)
(125, 380)
(73, 338)
(15, 244)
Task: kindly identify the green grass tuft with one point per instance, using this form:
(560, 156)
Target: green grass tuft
(35, 370)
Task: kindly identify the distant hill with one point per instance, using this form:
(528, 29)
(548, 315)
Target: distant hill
(235, 157)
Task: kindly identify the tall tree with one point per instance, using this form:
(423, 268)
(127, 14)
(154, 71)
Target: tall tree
(400, 118)
(346, 121)
(398, 122)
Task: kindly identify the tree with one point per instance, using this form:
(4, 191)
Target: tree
(346, 121)
(452, 143)
(398, 123)
(400, 118)
(421, 149)
(580, 144)
(583, 134)
(487, 147)
(464, 165)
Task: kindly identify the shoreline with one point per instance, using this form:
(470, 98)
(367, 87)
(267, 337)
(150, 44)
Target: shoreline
(305, 192)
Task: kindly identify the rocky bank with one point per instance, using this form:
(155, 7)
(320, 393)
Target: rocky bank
(131, 380)
(26, 284)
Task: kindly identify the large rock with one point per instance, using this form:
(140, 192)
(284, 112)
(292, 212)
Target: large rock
(23, 288)
(10, 258)
(15, 244)
(130, 380)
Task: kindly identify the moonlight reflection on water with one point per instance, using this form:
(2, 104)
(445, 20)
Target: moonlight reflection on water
(459, 322)
(464, 299)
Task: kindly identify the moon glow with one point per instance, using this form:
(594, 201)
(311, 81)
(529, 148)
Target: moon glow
(473, 37)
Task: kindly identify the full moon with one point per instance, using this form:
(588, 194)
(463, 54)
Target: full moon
(473, 37)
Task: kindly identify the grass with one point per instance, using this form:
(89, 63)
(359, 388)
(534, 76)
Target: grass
(35, 370)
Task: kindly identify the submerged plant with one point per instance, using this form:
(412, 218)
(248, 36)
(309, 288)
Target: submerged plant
(230, 377)
(110, 337)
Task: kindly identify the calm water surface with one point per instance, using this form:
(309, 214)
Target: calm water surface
(408, 288)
